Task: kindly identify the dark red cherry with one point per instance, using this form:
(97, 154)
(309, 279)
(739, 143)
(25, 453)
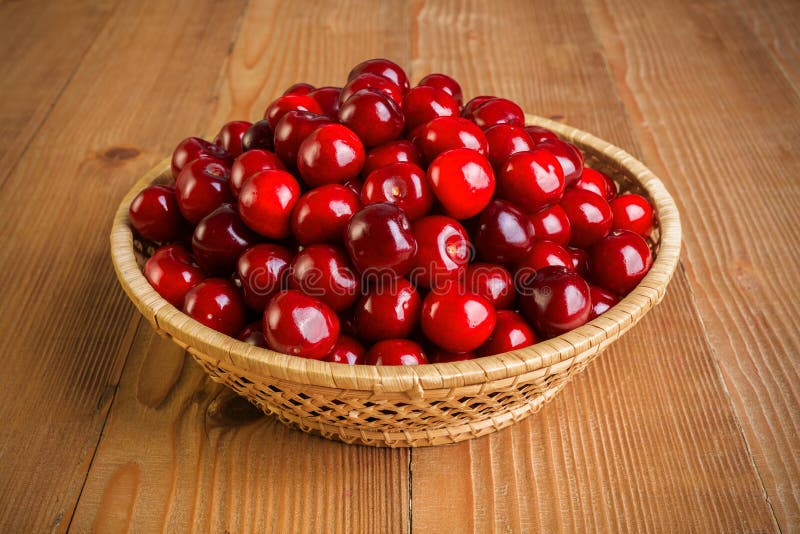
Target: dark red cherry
(444, 251)
(457, 322)
(323, 271)
(155, 214)
(402, 184)
(492, 282)
(230, 136)
(596, 182)
(619, 261)
(373, 116)
(254, 335)
(505, 140)
(322, 214)
(380, 241)
(216, 303)
(300, 88)
(263, 271)
(348, 351)
(219, 239)
(172, 273)
(376, 83)
(445, 83)
(504, 234)
(443, 356)
(532, 180)
(446, 133)
(498, 111)
(632, 212)
(389, 311)
(396, 352)
(258, 136)
(543, 254)
(354, 185)
(328, 100)
(511, 332)
(249, 163)
(284, 104)
(382, 67)
(602, 301)
(540, 133)
(201, 187)
(568, 156)
(463, 181)
(400, 151)
(589, 217)
(332, 154)
(292, 130)
(422, 104)
(551, 224)
(300, 325)
(580, 260)
(193, 148)
(472, 105)
(266, 202)
(556, 301)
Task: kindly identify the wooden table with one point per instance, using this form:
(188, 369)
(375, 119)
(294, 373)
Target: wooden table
(689, 423)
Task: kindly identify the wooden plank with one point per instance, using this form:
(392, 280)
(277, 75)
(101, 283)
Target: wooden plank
(719, 120)
(66, 325)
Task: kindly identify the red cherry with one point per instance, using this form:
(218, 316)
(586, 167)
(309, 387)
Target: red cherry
(619, 261)
(580, 260)
(540, 134)
(300, 325)
(377, 83)
(266, 202)
(201, 187)
(328, 100)
(284, 104)
(568, 156)
(492, 282)
(423, 104)
(632, 212)
(602, 301)
(230, 136)
(373, 116)
(443, 356)
(301, 88)
(400, 151)
(472, 105)
(172, 273)
(263, 271)
(446, 133)
(219, 239)
(348, 351)
(504, 234)
(532, 180)
(510, 333)
(249, 163)
(380, 241)
(543, 254)
(155, 214)
(254, 335)
(443, 254)
(389, 311)
(354, 185)
(396, 352)
(258, 136)
(193, 148)
(402, 184)
(217, 304)
(457, 322)
(382, 67)
(596, 182)
(290, 132)
(445, 83)
(463, 181)
(322, 214)
(332, 154)
(324, 272)
(505, 140)
(551, 224)
(498, 111)
(589, 217)
(556, 300)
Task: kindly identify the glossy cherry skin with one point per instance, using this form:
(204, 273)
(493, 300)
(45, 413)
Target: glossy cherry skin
(540, 134)
(201, 187)
(323, 271)
(446, 133)
(263, 271)
(443, 356)
(632, 212)
(396, 352)
(556, 301)
(284, 104)
(300, 88)
(300, 325)
(380, 241)
(443, 255)
(402, 184)
(193, 148)
(551, 224)
(596, 182)
(249, 163)
(382, 67)
(456, 321)
(568, 156)
(532, 180)
(332, 154)
(258, 136)
(290, 132)
(155, 214)
(328, 100)
(389, 311)
(373, 116)
(254, 335)
(511, 332)
(470, 107)
(445, 83)
(589, 217)
(463, 181)
(580, 260)
(172, 273)
(266, 202)
(543, 254)
(348, 351)
(216, 303)
(219, 239)
(230, 136)
(602, 301)
(374, 82)
(492, 282)
(422, 104)
(498, 111)
(505, 140)
(504, 234)
(619, 261)
(322, 214)
(400, 151)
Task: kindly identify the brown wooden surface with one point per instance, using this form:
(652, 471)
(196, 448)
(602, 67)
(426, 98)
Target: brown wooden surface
(689, 423)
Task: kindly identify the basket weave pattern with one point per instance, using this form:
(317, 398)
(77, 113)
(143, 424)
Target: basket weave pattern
(411, 406)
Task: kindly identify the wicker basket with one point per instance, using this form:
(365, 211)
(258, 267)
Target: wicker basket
(411, 406)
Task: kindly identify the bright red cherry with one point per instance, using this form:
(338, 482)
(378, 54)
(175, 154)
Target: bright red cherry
(632, 212)
(463, 181)
(249, 163)
(457, 322)
(284, 104)
(266, 202)
(254, 335)
(543, 254)
(382, 67)
(504, 234)
(402, 184)
(374, 82)
(492, 282)
(332, 154)
(445, 83)
(389, 311)
(422, 104)
(596, 182)
(532, 180)
(556, 300)
(322, 214)
(540, 134)
(400, 151)
(193, 148)
(328, 100)
(470, 107)
(219, 239)
(172, 273)
(568, 156)
(580, 260)
(300, 88)
(443, 356)
(348, 351)
(258, 136)
(290, 132)
(551, 224)
(201, 187)
(510, 333)
(619, 261)
(155, 214)
(380, 241)
(216, 303)
(396, 352)
(323, 271)
(498, 111)
(263, 271)
(373, 116)
(446, 133)
(300, 325)
(444, 251)
(589, 217)
(602, 301)
(505, 140)
(230, 136)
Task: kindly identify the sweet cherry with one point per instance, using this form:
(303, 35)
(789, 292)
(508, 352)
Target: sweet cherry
(402, 184)
(284, 104)
(602, 301)
(300, 325)
(373, 116)
(249, 163)
(219, 239)
(444, 251)
(504, 234)
(230, 136)
(400, 151)
(596, 182)
(328, 100)
(380, 241)
(511, 332)
(446, 133)
(300, 88)
(216, 303)
(193, 148)
(290, 132)
(254, 335)
(544, 254)
(632, 212)
(556, 300)
(155, 214)
(568, 156)
(266, 202)
(422, 104)
(258, 136)
(323, 271)
(374, 82)
(619, 261)
(505, 140)
(589, 217)
(470, 107)
(532, 180)
(551, 224)
(492, 282)
(263, 271)
(396, 352)
(580, 260)
(445, 83)
(332, 154)
(498, 111)
(322, 214)
(463, 181)
(390, 311)
(382, 67)
(540, 134)
(172, 273)
(201, 187)
(348, 351)
(456, 321)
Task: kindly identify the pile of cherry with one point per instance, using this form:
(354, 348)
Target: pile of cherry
(388, 225)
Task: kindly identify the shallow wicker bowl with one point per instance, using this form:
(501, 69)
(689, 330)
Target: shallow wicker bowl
(410, 406)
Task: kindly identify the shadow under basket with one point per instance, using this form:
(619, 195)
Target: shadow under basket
(411, 406)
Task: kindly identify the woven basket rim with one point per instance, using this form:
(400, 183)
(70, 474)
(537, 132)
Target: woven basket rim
(413, 380)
